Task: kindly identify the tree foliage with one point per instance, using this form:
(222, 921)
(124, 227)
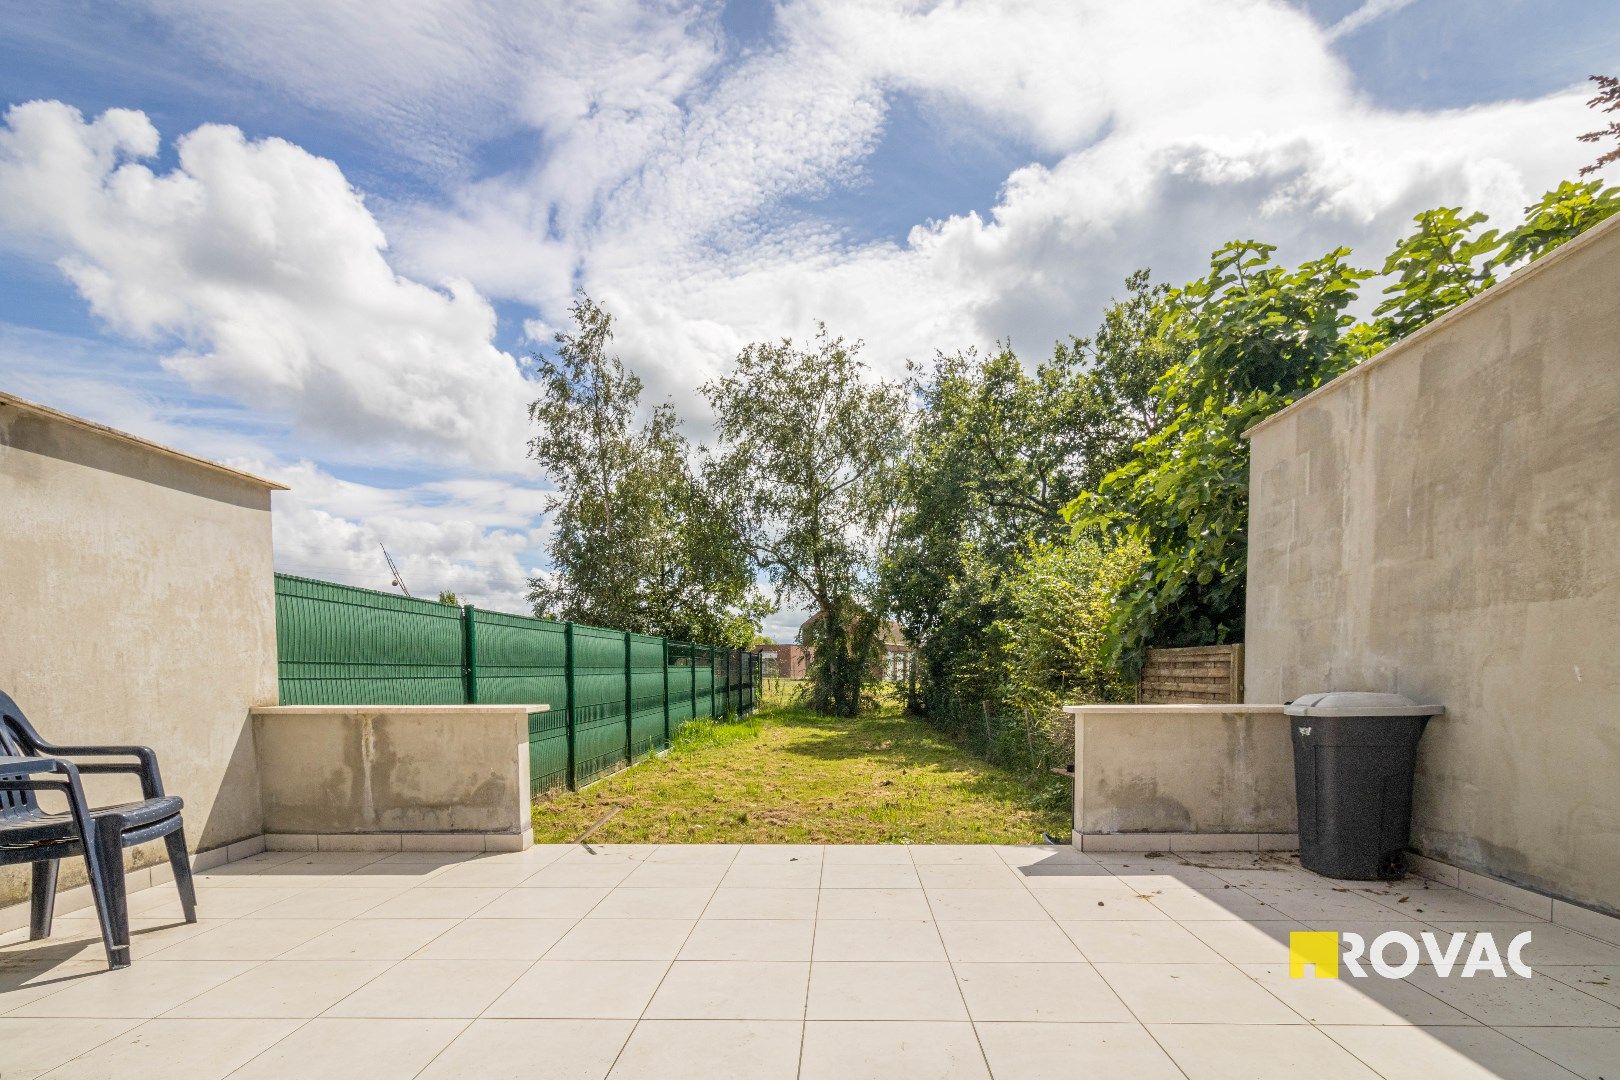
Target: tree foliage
(1049, 647)
(1258, 336)
(1447, 261)
(806, 457)
(996, 452)
(1560, 216)
(1442, 264)
(638, 542)
(1033, 528)
(1606, 101)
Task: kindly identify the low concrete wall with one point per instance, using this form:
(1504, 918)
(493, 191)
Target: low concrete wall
(375, 774)
(1444, 522)
(1183, 777)
(136, 585)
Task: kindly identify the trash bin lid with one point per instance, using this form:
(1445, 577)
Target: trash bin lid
(1357, 703)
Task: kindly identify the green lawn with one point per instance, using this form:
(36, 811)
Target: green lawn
(786, 775)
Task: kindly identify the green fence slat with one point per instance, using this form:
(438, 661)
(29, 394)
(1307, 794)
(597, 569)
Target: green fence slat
(568, 706)
(339, 645)
(613, 697)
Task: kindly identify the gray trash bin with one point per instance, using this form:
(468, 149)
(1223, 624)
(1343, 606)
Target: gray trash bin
(1354, 756)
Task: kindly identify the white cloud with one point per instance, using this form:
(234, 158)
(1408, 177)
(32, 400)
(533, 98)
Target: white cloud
(435, 78)
(476, 539)
(1165, 128)
(1369, 11)
(675, 177)
(481, 537)
(265, 266)
(783, 626)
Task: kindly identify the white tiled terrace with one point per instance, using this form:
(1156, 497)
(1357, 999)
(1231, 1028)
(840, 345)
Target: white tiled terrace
(759, 962)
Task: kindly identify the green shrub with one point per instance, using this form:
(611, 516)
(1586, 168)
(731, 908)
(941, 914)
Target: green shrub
(1048, 649)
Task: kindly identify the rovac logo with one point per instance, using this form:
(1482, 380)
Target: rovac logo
(1395, 954)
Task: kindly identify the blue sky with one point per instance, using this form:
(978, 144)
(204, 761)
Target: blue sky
(319, 243)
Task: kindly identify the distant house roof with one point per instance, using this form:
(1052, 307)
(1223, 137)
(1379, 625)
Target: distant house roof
(893, 632)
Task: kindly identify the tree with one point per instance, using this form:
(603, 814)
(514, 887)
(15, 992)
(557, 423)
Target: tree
(1442, 264)
(1049, 647)
(806, 457)
(1258, 336)
(638, 541)
(1606, 101)
(996, 453)
(1562, 214)
(449, 598)
(1136, 344)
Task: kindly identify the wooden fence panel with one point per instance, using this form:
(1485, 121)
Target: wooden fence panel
(1207, 675)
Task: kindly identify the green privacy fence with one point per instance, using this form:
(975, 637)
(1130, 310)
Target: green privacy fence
(614, 697)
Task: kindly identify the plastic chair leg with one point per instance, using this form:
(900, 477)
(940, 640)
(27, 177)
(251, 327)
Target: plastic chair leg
(42, 899)
(109, 843)
(176, 843)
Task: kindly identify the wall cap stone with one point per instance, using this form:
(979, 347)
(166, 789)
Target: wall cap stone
(273, 711)
(24, 405)
(1462, 311)
(1227, 709)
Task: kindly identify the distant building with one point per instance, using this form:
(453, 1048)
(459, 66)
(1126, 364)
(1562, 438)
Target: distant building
(784, 661)
(793, 661)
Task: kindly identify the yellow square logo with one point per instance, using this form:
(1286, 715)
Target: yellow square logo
(1318, 948)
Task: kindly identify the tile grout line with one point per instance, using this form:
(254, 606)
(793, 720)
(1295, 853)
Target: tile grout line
(1572, 986)
(1318, 1027)
(1121, 998)
(810, 965)
(164, 1016)
(578, 919)
(1533, 1050)
(391, 964)
(141, 1021)
(671, 965)
(467, 1025)
(950, 964)
(469, 1022)
(1307, 893)
(428, 1064)
(1234, 965)
(1433, 926)
(301, 1026)
(88, 1050)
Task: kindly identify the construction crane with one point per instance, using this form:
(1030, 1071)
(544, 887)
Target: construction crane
(399, 579)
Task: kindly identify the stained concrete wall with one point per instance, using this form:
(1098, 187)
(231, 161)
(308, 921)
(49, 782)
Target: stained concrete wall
(136, 587)
(414, 769)
(1183, 772)
(1445, 522)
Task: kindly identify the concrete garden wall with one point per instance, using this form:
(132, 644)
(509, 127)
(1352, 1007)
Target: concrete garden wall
(135, 584)
(1183, 778)
(433, 777)
(1444, 522)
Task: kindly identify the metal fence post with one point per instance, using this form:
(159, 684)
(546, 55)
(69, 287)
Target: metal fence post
(691, 667)
(665, 643)
(469, 663)
(713, 712)
(568, 693)
(629, 705)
